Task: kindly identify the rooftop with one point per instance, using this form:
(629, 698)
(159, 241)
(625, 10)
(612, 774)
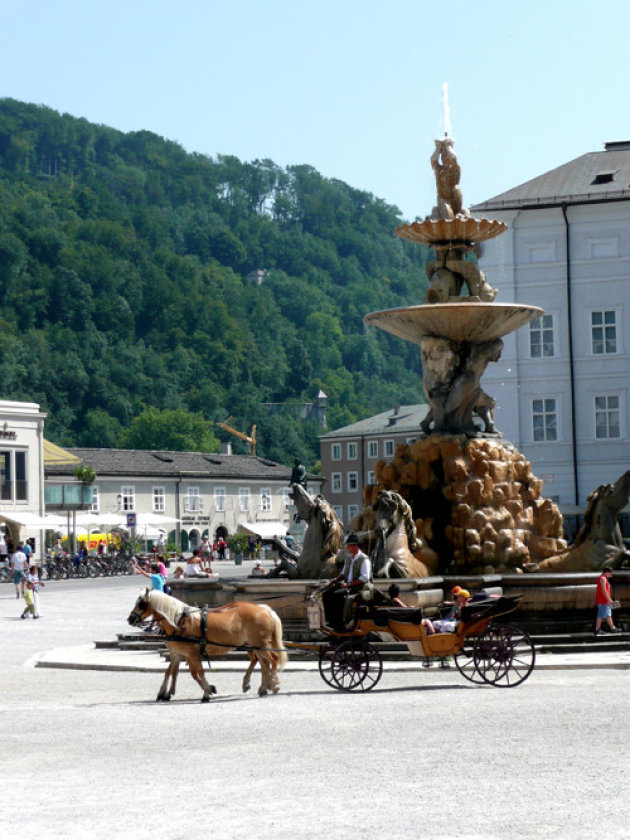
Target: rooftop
(140, 462)
(401, 419)
(593, 177)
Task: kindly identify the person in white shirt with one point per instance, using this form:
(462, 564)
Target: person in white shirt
(18, 566)
(357, 571)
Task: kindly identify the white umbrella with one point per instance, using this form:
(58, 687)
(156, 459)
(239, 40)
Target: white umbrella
(149, 523)
(33, 520)
(90, 518)
(146, 520)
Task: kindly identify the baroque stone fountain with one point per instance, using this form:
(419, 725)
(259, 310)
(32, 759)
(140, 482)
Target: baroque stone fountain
(479, 514)
(475, 501)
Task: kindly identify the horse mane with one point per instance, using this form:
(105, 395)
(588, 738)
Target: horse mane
(589, 513)
(168, 607)
(332, 527)
(403, 508)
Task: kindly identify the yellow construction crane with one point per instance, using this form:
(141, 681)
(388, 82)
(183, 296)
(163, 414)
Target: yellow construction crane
(250, 439)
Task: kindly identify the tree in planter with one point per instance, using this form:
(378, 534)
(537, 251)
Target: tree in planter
(237, 543)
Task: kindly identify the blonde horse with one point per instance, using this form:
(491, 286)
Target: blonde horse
(398, 548)
(192, 633)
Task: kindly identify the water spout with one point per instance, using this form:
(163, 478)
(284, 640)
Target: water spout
(446, 110)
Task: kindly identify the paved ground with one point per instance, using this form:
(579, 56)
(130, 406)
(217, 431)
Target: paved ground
(425, 755)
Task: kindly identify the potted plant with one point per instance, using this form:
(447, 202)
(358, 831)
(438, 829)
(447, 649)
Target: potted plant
(237, 543)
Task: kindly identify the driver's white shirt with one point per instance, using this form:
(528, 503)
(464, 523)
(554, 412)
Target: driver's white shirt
(365, 572)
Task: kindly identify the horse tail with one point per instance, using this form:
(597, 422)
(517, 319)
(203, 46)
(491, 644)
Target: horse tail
(277, 641)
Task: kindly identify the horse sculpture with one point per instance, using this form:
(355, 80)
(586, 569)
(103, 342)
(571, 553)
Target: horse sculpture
(599, 539)
(192, 633)
(323, 537)
(398, 551)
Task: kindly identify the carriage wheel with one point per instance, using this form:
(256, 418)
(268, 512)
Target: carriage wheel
(504, 655)
(356, 665)
(325, 665)
(465, 661)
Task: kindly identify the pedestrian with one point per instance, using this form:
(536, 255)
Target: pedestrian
(4, 550)
(604, 602)
(206, 556)
(19, 567)
(157, 581)
(31, 592)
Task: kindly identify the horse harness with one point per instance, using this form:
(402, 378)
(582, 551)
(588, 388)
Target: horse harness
(202, 641)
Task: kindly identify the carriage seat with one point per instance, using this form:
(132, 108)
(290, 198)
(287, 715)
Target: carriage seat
(381, 616)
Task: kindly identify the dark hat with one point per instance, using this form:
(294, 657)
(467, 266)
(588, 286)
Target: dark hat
(352, 539)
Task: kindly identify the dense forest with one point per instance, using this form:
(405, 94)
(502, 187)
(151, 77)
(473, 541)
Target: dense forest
(125, 304)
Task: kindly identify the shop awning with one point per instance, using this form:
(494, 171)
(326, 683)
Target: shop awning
(54, 455)
(264, 530)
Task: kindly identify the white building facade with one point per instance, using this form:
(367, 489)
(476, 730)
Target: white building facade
(562, 383)
(21, 468)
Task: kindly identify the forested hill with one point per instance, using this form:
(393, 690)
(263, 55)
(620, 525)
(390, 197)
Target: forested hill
(124, 291)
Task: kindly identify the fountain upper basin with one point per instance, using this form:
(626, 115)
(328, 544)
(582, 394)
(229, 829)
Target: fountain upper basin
(474, 322)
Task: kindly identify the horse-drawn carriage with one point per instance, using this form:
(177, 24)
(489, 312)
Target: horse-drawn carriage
(486, 650)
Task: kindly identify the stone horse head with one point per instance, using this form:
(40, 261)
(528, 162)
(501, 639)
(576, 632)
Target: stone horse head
(394, 552)
(323, 537)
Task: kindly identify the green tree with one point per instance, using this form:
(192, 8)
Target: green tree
(176, 430)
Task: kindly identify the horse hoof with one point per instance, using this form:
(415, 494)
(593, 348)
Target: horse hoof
(213, 689)
(205, 699)
(245, 689)
(262, 692)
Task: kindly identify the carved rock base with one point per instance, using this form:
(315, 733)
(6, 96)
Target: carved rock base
(475, 500)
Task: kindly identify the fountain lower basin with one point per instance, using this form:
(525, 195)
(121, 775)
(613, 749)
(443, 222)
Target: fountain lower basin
(460, 322)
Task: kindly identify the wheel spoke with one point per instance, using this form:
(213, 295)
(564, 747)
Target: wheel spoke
(356, 665)
(504, 655)
(465, 662)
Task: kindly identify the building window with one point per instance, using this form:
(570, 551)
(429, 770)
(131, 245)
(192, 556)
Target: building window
(159, 500)
(243, 499)
(192, 503)
(604, 332)
(219, 499)
(96, 503)
(352, 451)
(544, 419)
(338, 510)
(388, 448)
(335, 483)
(371, 477)
(287, 501)
(265, 499)
(128, 498)
(13, 481)
(372, 449)
(352, 511)
(353, 482)
(335, 452)
(607, 423)
(541, 337)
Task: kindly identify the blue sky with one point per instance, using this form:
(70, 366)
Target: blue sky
(351, 88)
